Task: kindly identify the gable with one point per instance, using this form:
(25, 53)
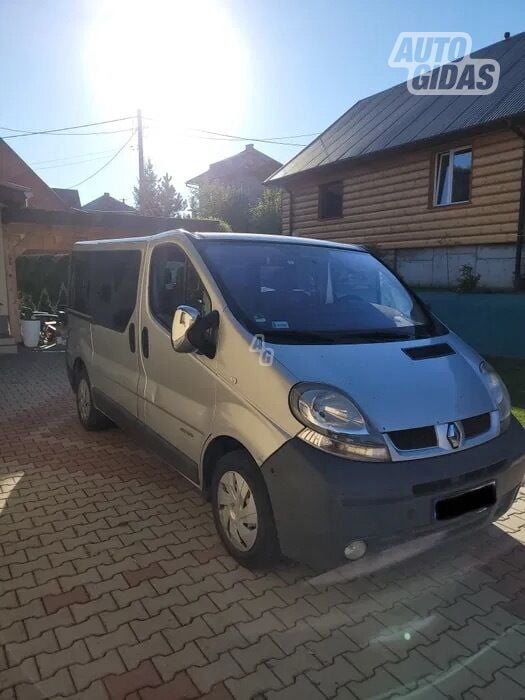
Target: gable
(15, 171)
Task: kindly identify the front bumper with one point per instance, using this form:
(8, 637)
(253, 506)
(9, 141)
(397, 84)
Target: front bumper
(322, 502)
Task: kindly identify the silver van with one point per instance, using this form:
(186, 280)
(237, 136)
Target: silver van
(307, 392)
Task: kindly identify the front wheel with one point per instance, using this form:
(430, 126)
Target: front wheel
(242, 511)
(89, 416)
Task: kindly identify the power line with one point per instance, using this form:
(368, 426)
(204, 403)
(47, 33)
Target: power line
(105, 164)
(77, 155)
(76, 162)
(239, 139)
(273, 139)
(277, 140)
(20, 132)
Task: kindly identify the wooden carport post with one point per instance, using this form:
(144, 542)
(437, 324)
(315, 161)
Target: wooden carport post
(12, 289)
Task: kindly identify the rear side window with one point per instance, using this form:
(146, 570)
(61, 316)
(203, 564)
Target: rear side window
(79, 283)
(104, 286)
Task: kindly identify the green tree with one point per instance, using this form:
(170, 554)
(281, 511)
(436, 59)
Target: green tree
(266, 214)
(170, 201)
(146, 193)
(44, 302)
(62, 297)
(224, 202)
(157, 196)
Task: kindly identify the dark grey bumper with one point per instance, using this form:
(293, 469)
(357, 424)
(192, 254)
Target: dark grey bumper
(322, 502)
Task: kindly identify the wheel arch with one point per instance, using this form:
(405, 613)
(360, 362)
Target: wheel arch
(216, 448)
(78, 366)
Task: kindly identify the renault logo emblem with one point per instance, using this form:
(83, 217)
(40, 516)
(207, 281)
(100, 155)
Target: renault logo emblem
(453, 435)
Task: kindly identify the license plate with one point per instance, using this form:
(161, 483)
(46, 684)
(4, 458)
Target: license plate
(467, 502)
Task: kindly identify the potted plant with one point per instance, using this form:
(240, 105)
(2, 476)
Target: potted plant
(30, 327)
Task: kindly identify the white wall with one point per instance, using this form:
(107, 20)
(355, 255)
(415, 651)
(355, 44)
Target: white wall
(440, 267)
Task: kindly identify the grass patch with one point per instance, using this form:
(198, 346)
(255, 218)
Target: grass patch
(513, 374)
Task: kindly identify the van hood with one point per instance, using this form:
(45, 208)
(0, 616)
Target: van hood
(393, 390)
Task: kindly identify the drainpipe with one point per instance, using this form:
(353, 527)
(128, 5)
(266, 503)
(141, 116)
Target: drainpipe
(518, 280)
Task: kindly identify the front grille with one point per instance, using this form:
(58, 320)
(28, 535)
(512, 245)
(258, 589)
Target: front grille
(477, 425)
(414, 438)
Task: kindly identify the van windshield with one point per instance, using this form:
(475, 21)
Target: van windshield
(293, 292)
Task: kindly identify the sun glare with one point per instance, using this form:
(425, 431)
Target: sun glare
(183, 63)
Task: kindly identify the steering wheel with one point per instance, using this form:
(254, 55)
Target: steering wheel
(349, 297)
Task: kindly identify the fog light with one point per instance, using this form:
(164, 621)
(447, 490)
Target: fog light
(355, 550)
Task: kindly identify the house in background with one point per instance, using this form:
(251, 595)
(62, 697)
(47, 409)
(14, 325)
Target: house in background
(37, 220)
(108, 203)
(105, 202)
(245, 171)
(71, 198)
(433, 182)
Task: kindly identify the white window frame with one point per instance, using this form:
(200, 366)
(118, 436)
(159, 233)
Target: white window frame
(450, 152)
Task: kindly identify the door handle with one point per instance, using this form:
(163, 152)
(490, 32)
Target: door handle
(145, 342)
(131, 337)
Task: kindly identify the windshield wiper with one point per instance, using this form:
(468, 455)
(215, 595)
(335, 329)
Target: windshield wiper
(304, 336)
(373, 336)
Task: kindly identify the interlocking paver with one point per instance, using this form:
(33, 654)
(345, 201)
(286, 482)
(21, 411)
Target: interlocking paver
(114, 584)
(18, 651)
(255, 654)
(60, 683)
(98, 645)
(208, 675)
(215, 645)
(49, 663)
(156, 645)
(121, 685)
(337, 675)
(169, 665)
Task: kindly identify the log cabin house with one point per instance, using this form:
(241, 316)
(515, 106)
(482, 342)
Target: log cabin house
(431, 182)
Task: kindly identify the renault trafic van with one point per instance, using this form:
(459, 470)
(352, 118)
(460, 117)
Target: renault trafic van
(307, 392)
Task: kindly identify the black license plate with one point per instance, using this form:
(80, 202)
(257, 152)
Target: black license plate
(477, 499)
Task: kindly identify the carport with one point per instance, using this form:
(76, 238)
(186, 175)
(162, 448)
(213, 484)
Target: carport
(25, 231)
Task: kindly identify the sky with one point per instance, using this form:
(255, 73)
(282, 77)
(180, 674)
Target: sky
(254, 69)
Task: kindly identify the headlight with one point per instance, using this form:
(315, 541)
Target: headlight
(498, 392)
(335, 424)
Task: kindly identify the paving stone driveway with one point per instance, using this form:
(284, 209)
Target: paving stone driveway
(114, 585)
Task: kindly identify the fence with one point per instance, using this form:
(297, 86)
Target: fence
(494, 324)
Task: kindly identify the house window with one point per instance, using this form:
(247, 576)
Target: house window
(331, 200)
(453, 169)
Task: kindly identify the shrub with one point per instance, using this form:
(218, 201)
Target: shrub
(467, 280)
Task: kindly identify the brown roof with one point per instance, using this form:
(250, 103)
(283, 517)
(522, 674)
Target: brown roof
(16, 171)
(68, 196)
(249, 162)
(107, 203)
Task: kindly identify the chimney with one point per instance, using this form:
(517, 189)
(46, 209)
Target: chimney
(106, 194)
(506, 35)
(248, 147)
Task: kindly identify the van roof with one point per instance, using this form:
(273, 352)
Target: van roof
(140, 241)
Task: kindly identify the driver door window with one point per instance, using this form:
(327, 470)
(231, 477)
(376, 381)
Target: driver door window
(174, 281)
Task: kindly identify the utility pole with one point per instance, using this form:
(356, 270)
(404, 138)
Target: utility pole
(141, 148)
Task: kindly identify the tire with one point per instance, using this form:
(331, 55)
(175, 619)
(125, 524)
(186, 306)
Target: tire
(253, 547)
(89, 416)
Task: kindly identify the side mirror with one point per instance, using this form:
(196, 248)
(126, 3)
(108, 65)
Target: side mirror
(183, 320)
